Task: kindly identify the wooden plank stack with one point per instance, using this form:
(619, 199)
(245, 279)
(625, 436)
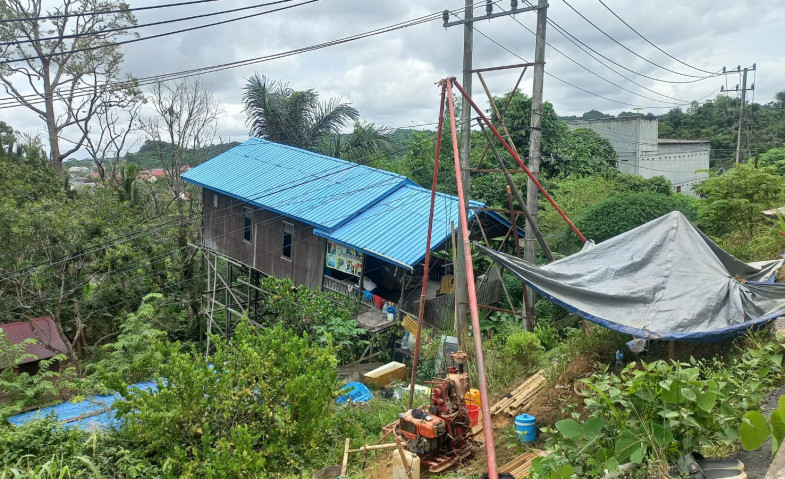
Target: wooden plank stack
(521, 396)
(519, 467)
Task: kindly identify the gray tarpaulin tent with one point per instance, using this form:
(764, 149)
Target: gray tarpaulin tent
(662, 280)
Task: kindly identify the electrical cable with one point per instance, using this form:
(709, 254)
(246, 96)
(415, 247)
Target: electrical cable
(13, 101)
(650, 42)
(101, 12)
(627, 48)
(149, 37)
(581, 65)
(144, 25)
(565, 81)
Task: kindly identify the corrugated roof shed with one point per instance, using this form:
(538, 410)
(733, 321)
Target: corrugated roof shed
(380, 213)
(95, 412)
(43, 331)
(315, 189)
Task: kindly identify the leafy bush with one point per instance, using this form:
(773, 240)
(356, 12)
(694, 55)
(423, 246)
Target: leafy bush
(523, 347)
(317, 313)
(257, 406)
(623, 212)
(653, 412)
(21, 390)
(42, 438)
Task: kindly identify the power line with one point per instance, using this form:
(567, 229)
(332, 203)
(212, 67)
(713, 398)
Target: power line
(144, 25)
(565, 81)
(101, 12)
(13, 102)
(184, 30)
(651, 43)
(572, 38)
(581, 65)
(627, 48)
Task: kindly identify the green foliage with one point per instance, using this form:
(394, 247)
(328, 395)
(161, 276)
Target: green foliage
(124, 356)
(317, 313)
(40, 438)
(58, 467)
(524, 349)
(582, 152)
(281, 114)
(733, 201)
(345, 335)
(651, 413)
(257, 406)
(20, 390)
(623, 212)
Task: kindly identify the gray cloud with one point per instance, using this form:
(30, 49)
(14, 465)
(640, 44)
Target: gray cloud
(390, 78)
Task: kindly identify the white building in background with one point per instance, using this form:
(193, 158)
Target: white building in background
(641, 153)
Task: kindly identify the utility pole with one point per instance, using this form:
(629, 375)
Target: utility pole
(461, 287)
(743, 91)
(535, 142)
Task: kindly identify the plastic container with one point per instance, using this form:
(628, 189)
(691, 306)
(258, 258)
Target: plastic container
(473, 397)
(526, 427)
(474, 414)
(392, 310)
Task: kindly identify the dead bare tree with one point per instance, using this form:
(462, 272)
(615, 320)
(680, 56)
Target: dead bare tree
(65, 66)
(114, 121)
(184, 123)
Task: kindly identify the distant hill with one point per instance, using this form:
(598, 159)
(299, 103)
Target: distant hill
(147, 156)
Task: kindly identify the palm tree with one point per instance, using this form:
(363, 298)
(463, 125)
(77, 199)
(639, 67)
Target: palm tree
(360, 146)
(279, 113)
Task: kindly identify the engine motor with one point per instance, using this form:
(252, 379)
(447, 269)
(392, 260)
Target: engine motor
(424, 434)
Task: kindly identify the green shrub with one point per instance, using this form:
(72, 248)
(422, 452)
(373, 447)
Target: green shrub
(623, 212)
(651, 413)
(43, 438)
(256, 406)
(524, 348)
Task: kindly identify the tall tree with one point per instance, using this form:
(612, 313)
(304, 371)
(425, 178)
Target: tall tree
(64, 64)
(184, 123)
(279, 113)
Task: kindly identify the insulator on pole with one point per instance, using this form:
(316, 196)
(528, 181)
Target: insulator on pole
(488, 7)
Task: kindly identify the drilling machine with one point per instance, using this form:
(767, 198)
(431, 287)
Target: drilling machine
(441, 434)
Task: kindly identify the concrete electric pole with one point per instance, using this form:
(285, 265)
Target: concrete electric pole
(461, 291)
(535, 143)
(743, 91)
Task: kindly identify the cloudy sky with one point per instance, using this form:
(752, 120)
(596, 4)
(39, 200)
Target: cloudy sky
(390, 78)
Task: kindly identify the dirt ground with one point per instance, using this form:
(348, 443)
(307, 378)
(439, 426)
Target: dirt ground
(757, 462)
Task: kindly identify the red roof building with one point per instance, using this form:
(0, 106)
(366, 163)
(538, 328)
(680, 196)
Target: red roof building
(43, 330)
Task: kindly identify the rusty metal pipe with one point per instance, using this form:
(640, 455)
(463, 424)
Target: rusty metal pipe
(490, 447)
(517, 159)
(421, 313)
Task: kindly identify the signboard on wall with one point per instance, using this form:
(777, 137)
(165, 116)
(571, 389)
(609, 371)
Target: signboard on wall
(343, 258)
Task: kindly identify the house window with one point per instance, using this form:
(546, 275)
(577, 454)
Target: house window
(678, 189)
(247, 223)
(215, 200)
(288, 231)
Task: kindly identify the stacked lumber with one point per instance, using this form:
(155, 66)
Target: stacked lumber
(521, 396)
(519, 467)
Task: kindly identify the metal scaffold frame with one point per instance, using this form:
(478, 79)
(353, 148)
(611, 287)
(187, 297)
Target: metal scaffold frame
(235, 289)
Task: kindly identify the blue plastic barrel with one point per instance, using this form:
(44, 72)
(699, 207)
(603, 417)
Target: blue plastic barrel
(393, 310)
(526, 427)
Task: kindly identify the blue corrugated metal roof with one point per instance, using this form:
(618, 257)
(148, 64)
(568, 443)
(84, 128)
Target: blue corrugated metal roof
(315, 189)
(381, 213)
(396, 228)
(95, 412)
